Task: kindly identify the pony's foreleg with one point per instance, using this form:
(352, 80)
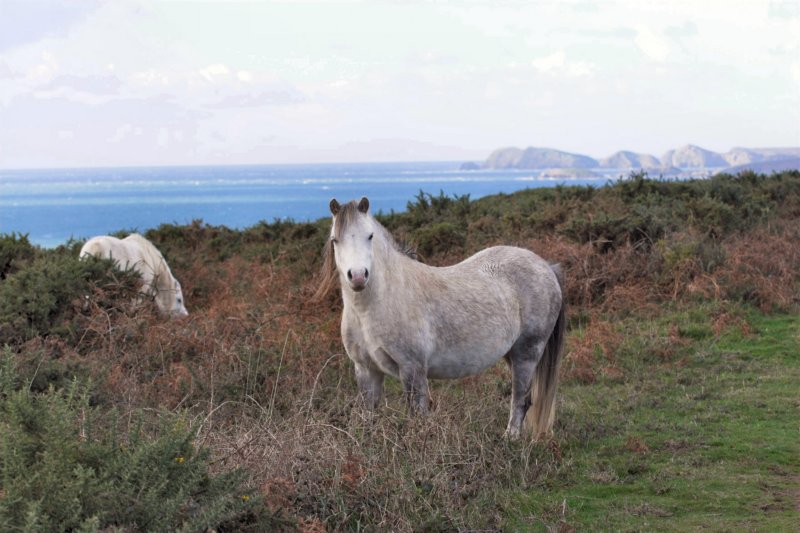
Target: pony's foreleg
(370, 385)
(415, 386)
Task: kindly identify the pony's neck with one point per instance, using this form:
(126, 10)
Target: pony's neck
(162, 277)
(163, 280)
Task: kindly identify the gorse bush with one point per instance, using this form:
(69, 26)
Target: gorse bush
(198, 241)
(15, 251)
(65, 465)
(45, 296)
(427, 208)
(439, 238)
(637, 210)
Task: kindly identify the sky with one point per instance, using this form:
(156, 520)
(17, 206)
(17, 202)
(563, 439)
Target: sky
(132, 82)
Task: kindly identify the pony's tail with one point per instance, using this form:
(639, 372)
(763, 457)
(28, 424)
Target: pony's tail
(542, 413)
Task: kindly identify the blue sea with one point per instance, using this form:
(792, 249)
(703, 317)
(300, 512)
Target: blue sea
(53, 205)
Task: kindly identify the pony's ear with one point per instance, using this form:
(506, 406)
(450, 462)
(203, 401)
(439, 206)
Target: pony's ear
(334, 207)
(363, 205)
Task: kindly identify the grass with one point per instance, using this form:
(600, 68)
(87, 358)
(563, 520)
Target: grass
(707, 440)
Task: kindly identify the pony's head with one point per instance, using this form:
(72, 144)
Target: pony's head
(170, 299)
(351, 237)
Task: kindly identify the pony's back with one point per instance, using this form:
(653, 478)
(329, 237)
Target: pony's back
(108, 247)
(93, 247)
(147, 249)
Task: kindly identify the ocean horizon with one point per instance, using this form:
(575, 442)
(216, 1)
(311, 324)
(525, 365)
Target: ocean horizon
(53, 206)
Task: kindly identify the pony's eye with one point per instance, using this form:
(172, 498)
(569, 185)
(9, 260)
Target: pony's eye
(371, 235)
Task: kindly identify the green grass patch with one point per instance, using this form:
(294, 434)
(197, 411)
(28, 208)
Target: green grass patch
(708, 440)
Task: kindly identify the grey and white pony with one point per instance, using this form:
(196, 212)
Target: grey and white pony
(134, 251)
(413, 321)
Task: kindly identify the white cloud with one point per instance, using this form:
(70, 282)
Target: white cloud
(433, 58)
(44, 70)
(121, 133)
(276, 96)
(551, 62)
(7, 73)
(795, 70)
(160, 77)
(557, 64)
(651, 44)
(214, 73)
(26, 21)
(162, 138)
(91, 90)
(150, 77)
(72, 95)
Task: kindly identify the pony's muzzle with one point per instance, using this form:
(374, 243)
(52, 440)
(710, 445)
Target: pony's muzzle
(358, 279)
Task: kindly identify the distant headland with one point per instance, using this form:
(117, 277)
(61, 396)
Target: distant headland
(688, 158)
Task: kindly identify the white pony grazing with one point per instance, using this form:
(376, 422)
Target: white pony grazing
(134, 251)
(413, 321)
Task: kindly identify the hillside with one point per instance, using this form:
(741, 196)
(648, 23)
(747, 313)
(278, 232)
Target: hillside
(632, 160)
(534, 158)
(681, 362)
(766, 167)
(691, 156)
(686, 157)
(742, 156)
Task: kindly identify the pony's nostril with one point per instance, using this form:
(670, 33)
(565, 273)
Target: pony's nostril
(366, 273)
(349, 274)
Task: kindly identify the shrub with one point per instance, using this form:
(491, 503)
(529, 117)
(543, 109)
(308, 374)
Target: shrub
(15, 250)
(712, 216)
(428, 208)
(47, 295)
(64, 468)
(604, 231)
(439, 238)
(764, 268)
(686, 257)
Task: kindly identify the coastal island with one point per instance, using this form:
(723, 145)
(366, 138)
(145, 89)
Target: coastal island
(685, 159)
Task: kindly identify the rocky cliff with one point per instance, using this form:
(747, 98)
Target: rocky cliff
(532, 158)
(625, 159)
(691, 156)
(685, 157)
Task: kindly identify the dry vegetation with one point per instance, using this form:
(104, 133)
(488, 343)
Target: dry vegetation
(261, 376)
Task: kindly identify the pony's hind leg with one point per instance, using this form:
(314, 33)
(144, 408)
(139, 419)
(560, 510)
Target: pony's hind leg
(522, 358)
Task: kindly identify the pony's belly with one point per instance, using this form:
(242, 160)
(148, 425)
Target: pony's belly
(455, 347)
(454, 365)
(456, 372)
